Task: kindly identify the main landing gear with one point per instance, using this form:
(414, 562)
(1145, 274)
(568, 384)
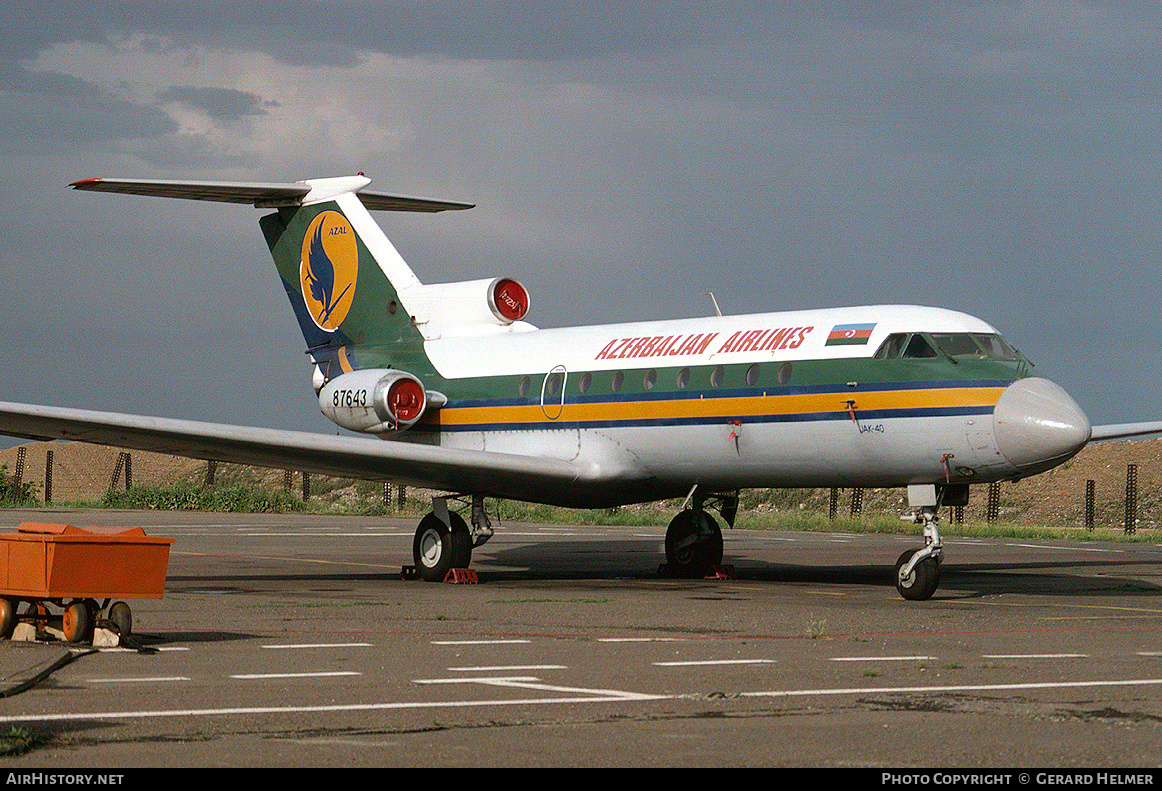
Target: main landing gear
(444, 541)
(694, 539)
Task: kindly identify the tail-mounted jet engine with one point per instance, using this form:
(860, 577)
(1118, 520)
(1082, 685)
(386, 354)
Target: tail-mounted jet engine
(468, 308)
(374, 401)
(508, 299)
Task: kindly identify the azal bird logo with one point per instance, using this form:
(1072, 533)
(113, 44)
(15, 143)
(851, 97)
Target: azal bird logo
(328, 269)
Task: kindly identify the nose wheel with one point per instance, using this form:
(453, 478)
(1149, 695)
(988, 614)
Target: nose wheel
(918, 570)
(921, 581)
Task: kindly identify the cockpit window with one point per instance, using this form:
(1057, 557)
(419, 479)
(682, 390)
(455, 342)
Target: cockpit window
(891, 347)
(918, 348)
(958, 345)
(915, 346)
(996, 347)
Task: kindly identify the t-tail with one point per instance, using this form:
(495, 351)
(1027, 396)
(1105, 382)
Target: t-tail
(364, 314)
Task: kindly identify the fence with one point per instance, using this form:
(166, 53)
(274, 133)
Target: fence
(74, 472)
(1131, 516)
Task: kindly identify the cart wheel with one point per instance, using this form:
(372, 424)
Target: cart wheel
(122, 618)
(77, 623)
(7, 617)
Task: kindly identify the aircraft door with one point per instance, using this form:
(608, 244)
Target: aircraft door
(553, 392)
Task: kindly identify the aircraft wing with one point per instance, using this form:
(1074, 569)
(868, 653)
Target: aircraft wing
(1124, 430)
(427, 466)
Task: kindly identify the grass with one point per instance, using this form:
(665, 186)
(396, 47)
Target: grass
(17, 741)
(241, 489)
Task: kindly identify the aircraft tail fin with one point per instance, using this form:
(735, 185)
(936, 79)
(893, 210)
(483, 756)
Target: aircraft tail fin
(343, 277)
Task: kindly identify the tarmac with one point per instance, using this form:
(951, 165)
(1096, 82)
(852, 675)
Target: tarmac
(294, 641)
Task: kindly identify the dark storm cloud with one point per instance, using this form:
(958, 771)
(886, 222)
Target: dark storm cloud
(333, 33)
(40, 112)
(221, 104)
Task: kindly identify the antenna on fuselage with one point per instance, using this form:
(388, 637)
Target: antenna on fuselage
(715, 301)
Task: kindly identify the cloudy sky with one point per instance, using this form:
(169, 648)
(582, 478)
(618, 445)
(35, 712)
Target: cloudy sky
(1001, 158)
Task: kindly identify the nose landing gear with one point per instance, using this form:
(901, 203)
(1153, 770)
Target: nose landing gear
(918, 570)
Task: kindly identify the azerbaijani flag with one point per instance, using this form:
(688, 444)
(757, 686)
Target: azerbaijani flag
(850, 334)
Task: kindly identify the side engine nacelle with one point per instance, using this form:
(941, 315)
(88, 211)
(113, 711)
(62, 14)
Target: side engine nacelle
(374, 401)
(459, 308)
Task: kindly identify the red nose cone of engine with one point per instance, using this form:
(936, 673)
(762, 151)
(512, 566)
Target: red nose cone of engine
(510, 299)
(405, 399)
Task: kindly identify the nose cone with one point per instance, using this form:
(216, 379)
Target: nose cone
(1037, 425)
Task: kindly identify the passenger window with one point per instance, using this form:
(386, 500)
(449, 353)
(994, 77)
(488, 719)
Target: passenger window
(554, 385)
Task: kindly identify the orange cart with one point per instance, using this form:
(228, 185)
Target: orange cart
(74, 568)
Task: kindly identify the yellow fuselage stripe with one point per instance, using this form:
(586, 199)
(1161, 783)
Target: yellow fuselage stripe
(816, 403)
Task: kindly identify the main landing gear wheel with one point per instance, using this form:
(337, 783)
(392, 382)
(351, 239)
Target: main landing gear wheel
(437, 549)
(693, 543)
(922, 582)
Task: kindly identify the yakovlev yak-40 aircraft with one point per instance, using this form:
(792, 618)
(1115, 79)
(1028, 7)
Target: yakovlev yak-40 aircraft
(459, 394)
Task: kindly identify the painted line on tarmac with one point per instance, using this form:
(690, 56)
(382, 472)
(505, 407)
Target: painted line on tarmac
(287, 558)
(1034, 656)
(116, 649)
(314, 533)
(532, 682)
(141, 680)
(952, 688)
(505, 668)
(320, 674)
(529, 682)
(882, 658)
(717, 662)
(477, 642)
(592, 696)
(321, 645)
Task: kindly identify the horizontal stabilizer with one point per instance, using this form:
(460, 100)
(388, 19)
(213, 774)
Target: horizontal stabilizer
(269, 195)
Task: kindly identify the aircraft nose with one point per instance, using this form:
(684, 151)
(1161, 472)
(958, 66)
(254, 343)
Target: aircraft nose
(1037, 425)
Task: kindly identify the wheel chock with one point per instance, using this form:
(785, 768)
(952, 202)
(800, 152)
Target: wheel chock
(409, 573)
(461, 577)
(721, 572)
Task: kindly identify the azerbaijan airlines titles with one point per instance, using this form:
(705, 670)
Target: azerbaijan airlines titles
(680, 345)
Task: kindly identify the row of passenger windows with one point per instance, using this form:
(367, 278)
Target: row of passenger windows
(899, 346)
(617, 379)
